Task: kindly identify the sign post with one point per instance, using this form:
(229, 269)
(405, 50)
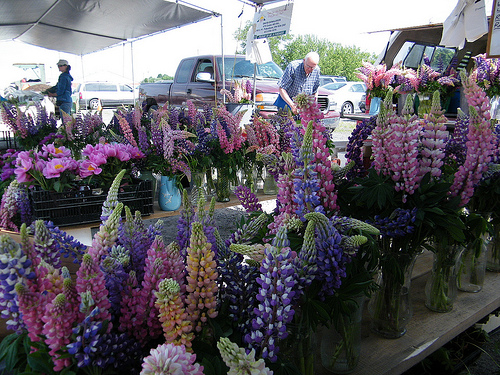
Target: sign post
(493, 47)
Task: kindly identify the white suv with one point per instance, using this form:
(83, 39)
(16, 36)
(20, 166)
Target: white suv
(107, 94)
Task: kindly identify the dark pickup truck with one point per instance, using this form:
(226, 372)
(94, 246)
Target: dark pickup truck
(199, 79)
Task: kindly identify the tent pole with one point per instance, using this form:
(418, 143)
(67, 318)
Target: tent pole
(132, 67)
(222, 53)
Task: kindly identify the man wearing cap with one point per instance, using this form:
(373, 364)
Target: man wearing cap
(63, 87)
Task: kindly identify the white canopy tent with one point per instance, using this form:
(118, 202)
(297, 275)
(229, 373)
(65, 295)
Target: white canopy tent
(83, 26)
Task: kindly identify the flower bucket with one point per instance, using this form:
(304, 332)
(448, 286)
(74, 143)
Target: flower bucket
(235, 108)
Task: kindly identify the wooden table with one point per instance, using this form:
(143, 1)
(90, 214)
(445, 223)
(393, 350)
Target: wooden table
(427, 331)
(83, 232)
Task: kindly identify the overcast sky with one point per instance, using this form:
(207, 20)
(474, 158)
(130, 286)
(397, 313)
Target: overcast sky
(345, 22)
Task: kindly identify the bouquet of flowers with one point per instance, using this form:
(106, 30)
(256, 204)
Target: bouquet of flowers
(30, 127)
(428, 80)
(377, 78)
(488, 74)
(54, 169)
(161, 136)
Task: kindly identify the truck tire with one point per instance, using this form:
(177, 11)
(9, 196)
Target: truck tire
(94, 104)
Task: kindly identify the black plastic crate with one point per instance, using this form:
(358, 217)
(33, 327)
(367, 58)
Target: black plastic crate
(81, 207)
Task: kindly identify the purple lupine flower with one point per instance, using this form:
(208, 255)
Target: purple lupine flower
(116, 277)
(248, 199)
(400, 223)
(65, 244)
(136, 239)
(45, 245)
(14, 266)
(456, 148)
(331, 259)
(238, 288)
(277, 280)
(24, 205)
(119, 351)
(355, 146)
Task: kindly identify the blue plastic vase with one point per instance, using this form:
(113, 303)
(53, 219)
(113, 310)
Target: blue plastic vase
(169, 198)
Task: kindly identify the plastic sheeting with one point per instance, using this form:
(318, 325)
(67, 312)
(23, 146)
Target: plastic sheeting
(84, 26)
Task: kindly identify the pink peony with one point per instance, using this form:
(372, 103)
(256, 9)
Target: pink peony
(55, 167)
(89, 168)
(58, 152)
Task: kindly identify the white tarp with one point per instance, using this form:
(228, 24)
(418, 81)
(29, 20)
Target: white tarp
(84, 26)
(466, 21)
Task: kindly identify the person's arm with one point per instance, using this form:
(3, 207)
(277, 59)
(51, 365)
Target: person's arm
(289, 101)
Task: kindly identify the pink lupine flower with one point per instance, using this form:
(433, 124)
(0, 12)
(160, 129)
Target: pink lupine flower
(171, 359)
(480, 145)
(90, 277)
(58, 329)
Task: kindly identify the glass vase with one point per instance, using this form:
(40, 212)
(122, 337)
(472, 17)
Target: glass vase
(298, 348)
(340, 344)
(270, 186)
(441, 287)
(250, 179)
(222, 188)
(472, 266)
(424, 104)
(197, 187)
(390, 306)
(493, 248)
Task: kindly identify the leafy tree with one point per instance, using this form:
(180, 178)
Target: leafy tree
(159, 77)
(335, 59)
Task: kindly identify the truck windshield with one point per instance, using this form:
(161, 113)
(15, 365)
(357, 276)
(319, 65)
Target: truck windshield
(412, 55)
(240, 68)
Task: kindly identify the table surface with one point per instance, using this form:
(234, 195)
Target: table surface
(427, 331)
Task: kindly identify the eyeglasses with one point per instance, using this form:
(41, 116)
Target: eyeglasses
(309, 66)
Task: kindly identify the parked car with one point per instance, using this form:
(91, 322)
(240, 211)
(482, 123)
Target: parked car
(324, 80)
(107, 94)
(362, 104)
(347, 95)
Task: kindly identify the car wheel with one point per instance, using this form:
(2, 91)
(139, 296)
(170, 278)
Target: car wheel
(94, 104)
(347, 108)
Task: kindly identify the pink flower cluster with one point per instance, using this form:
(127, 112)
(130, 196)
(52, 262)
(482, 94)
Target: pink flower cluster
(235, 139)
(53, 168)
(376, 77)
(262, 136)
(481, 143)
(49, 163)
(101, 154)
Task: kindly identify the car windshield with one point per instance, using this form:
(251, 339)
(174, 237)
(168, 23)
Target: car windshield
(241, 68)
(334, 86)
